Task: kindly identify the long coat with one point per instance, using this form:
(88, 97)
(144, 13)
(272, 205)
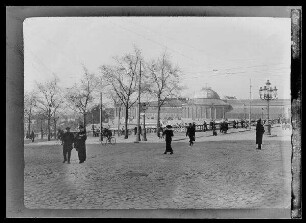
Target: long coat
(68, 139)
(169, 134)
(79, 144)
(191, 133)
(259, 133)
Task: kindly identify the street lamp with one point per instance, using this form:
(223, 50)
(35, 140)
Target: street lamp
(268, 93)
(144, 108)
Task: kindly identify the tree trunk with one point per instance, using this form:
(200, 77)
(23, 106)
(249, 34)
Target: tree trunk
(54, 128)
(41, 130)
(158, 117)
(119, 121)
(84, 121)
(126, 135)
(29, 125)
(49, 130)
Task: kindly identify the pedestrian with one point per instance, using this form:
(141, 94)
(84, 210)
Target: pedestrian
(169, 134)
(79, 144)
(135, 130)
(191, 134)
(214, 129)
(222, 127)
(259, 133)
(205, 126)
(67, 139)
(211, 124)
(225, 126)
(32, 136)
(140, 132)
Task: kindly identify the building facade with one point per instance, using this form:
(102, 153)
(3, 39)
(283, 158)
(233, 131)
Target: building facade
(204, 105)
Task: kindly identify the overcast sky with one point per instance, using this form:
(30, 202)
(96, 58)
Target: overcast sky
(224, 53)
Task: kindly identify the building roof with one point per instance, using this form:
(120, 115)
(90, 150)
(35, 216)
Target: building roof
(206, 101)
(207, 93)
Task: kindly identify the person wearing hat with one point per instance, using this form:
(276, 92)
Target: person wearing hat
(169, 134)
(259, 133)
(79, 144)
(67, 139)
(191, 133)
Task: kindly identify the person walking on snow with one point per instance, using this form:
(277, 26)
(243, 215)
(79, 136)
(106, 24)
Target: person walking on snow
(191, 134)
(67, 139)
(169, 134)
(259, 133)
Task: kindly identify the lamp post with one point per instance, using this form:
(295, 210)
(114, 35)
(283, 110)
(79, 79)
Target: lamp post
(144, 108)
(268, 93)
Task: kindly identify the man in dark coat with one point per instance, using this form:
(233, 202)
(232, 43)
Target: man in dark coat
(259, 133)
(79, 144)
(242, 123)
(191, 133)
(221, 126)
(67, 139)
(205, 126)
(169, 134)
(32, 136)
(211, 124)
(225, 126)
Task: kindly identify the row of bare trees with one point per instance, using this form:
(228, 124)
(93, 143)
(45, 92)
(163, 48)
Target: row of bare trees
(160, 80)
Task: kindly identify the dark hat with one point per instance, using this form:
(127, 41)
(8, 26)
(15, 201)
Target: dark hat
(168, 126)
(67, 127)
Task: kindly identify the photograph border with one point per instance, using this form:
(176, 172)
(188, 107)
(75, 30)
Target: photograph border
(15, 16)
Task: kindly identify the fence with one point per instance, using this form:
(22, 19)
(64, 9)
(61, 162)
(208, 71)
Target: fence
(179, 129)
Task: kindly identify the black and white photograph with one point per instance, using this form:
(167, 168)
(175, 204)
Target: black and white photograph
(157, 113)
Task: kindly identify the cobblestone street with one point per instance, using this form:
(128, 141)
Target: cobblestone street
(217, 172)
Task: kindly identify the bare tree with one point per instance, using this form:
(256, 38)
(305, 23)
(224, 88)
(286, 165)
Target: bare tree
(81, 96)
(30, 100)
(122, 80)
(164, 79)
(118, 105)
(49, 100)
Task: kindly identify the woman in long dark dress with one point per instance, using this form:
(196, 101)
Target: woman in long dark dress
(80, 145)
(259, 133)
(169, 134)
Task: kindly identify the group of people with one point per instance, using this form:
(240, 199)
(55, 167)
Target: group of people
(31, 136)
(70, 141)
(168, 133)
